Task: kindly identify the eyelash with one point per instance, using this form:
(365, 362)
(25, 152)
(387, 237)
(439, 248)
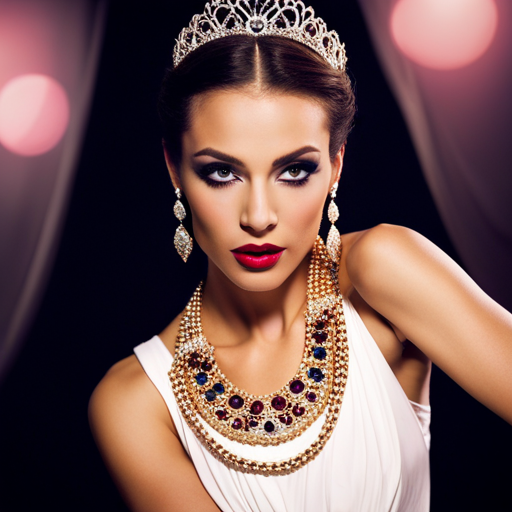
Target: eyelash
(205, 172)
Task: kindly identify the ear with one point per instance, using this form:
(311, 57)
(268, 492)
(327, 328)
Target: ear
(173, 171)
(337, 166)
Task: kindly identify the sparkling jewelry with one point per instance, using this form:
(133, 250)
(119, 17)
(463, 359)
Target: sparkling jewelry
(182, 240)
(286, 18)
(207, 398)
(334, 238)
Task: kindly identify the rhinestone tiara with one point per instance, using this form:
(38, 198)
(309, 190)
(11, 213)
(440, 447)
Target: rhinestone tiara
(285, 18)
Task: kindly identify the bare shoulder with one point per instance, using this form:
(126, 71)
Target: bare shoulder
(436, 305)
(124, 389)
(383, 245)
(138, 441)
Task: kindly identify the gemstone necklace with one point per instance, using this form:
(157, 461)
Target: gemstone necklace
(204, 393)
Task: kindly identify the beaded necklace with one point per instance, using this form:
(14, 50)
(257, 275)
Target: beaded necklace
(205, 395)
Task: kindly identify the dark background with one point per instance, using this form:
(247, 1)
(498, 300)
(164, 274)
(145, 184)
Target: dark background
(117, 280)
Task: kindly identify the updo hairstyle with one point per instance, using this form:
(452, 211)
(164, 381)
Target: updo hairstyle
(277, 64)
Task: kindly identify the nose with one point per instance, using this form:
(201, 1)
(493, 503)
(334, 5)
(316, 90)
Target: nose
(258, 214)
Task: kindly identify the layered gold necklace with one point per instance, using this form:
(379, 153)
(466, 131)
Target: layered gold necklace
(206, 398)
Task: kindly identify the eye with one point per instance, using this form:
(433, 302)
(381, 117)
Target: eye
(298, 174)
(221, 175)
(217, 175)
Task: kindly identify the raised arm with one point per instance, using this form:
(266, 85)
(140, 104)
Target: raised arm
(439, 308)
(139, 444)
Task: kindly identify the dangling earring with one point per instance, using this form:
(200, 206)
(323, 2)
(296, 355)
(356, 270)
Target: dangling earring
(333, 238)
(182, 240)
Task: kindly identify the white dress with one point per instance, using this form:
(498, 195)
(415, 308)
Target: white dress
(375, 461)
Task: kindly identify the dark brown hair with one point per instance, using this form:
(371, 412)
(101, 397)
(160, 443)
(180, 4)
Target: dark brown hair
(276, 63)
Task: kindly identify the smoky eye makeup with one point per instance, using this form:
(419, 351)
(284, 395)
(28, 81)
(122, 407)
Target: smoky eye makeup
(298, 173)
(217, 174)
(221, 174)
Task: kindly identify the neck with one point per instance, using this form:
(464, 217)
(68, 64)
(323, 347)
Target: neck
(233, 315)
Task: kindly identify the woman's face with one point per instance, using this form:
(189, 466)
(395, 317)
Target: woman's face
(256, 173)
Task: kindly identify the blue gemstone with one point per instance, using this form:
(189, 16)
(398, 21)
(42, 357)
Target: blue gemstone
(201, 378)
(210, 395)
(319, 353)
(316, 374)
(218, 388)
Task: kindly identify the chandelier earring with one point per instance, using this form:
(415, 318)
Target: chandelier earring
(182, 240)
(334, 237)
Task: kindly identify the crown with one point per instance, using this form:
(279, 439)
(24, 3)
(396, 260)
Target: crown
(285, 18)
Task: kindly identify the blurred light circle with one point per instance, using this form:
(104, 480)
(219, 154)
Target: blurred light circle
(34, 114)
(444, 34)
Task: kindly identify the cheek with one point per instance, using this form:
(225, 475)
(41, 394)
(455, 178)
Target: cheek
(213, 219)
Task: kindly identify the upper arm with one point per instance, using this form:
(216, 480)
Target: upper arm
(436, 305)
(132, 428)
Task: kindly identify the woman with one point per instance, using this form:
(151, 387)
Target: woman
(265, 408)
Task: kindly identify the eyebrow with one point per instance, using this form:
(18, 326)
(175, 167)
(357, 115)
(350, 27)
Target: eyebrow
(276, 163)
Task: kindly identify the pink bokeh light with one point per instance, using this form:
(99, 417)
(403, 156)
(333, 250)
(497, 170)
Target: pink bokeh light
(444, 34)
(34, 114)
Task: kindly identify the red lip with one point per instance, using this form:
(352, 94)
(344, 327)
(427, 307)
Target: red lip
(258, 257)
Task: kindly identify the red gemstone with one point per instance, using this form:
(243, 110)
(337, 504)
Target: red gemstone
(278, 403)
(221, 414)
(237, 424)
(287, 420)
(298, 411)
(320, 337)
(319, 325)
(257, 407)
(193, 363)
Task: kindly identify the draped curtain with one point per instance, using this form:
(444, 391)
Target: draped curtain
(460, 121)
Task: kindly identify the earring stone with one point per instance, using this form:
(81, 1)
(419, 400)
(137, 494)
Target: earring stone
(333, 238)
(182, 240)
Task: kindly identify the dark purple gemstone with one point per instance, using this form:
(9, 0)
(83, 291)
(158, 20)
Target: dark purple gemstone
(195, 355)
(253, 423)
(206, 366)
(326, 42)
(311, 396)
(257, 407)
(194, 363)
(210, 395)
(320, 337)
(298, 411)
(316, 374)
(296, 387)
(319, 353)
(221, 414)
(319, 325)
(311, 30)
(269, 427)
(278, 403)
(236, 402)
(237, 424)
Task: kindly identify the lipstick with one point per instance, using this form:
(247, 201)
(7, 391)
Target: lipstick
(258, 257)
